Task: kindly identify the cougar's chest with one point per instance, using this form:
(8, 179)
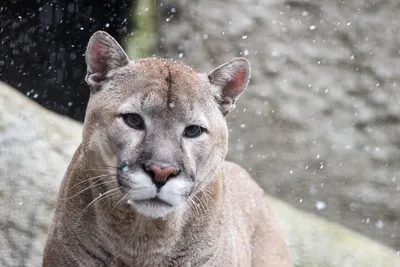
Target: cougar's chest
(146, 250)
(140, 242)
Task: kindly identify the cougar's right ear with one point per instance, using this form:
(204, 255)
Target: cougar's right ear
(103, 54)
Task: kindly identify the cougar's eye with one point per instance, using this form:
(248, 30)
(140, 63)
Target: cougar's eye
(134, 121)
(193, 131)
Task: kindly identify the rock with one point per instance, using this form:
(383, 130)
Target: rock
(319, 125)
(316, 242)
(35, 149)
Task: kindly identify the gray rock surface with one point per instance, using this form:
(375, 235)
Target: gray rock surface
(315, 242)
(319, 126)
(35, 149)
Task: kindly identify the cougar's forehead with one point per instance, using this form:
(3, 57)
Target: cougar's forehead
(161, 84)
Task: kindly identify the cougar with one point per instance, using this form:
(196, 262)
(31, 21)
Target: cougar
(148, 186)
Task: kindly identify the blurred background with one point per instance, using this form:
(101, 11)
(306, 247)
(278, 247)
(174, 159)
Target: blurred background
(318, 127)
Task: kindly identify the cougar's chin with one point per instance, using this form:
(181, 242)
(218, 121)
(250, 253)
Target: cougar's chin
(153, 207)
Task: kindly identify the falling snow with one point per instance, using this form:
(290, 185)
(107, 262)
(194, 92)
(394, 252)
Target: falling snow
(320, 205)
(319, 120)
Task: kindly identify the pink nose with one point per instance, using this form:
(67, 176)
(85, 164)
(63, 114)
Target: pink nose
(161, 174)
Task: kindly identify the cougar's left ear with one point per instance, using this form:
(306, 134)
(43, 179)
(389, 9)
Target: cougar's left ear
(102, 55)
(232, 79)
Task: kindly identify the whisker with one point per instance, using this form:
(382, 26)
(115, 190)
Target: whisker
(208, 194)
(92, 178)
(196, 208)
(101, 197)
(99, 169)
(205, 191)
(202, 207)
(87, 188)
(106, 166)
(188, 207)
(127, 194)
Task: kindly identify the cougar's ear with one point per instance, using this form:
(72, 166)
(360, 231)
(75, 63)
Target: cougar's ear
(103, 54)
(232, 79)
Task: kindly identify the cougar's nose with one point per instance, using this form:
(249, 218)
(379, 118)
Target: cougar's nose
(160, 175)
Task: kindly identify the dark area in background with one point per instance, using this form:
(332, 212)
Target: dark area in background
(43, 45)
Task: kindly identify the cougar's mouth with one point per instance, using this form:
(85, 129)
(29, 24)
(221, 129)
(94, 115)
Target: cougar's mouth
(153, 201)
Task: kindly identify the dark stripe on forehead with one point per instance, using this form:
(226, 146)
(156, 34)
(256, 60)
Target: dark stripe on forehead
(169, 82)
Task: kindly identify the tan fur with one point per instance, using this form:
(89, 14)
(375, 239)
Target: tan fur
(218, 216)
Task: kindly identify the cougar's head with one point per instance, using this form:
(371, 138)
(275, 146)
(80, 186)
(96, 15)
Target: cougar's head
(158, 122)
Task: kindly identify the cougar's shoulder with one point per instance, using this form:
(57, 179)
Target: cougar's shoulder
(240, 182)
(255, 221)
(247, 200)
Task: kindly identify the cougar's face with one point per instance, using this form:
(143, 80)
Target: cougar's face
(159, 123)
